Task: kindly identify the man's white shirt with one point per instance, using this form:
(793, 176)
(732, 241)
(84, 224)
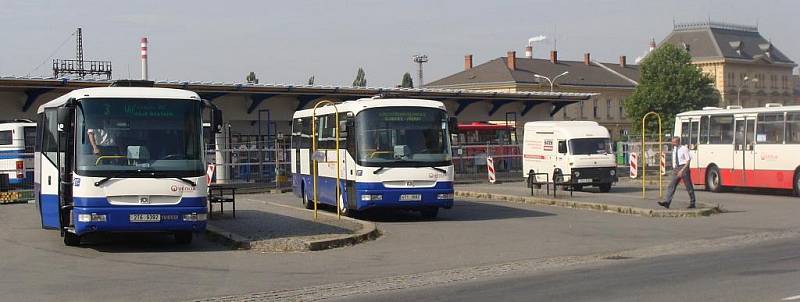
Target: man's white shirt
(680, 156)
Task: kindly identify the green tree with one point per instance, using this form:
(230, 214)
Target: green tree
(251, 78)
(407, 82)
(311, 80)
(669, 84)
(361, 78)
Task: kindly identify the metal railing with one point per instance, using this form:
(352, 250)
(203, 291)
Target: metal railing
(469, 162)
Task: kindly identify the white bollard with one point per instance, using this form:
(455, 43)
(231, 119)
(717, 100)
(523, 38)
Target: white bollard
(633, 161)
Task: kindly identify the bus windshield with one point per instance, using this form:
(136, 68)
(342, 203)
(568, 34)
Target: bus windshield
(403, 137)
(138, 137)
(589, 146)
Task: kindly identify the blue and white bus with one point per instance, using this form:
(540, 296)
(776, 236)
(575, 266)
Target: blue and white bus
(123, 159)
(395, 153)
(16, 151)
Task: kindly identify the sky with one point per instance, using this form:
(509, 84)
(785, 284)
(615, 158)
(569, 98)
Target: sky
(286, 42)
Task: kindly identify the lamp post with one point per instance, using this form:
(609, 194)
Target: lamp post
(739, 88)
(538, 76)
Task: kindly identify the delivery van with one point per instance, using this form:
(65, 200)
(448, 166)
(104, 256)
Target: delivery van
(577, 153)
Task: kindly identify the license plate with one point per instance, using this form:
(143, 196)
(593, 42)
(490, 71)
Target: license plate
(411, 197)
(145, 217)
(584, 180)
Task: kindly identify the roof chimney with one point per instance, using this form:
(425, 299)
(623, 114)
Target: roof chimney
(554, 56)
(467, 62)
(622, 61)
(529, 52)
(587, 59)
(652, 44)
(511, 61)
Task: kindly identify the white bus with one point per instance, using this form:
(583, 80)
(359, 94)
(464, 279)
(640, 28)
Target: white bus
(16, 151)
(395, 153)
(122, 159)
(743, 147)
(576, 152)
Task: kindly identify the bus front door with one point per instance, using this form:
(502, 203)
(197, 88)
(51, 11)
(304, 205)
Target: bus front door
(744, 154)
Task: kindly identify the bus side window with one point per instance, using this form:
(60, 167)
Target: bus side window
(720, 129)
(694, 135)
(5, 137)
(703, 130)
(793, 127)
(685, 132)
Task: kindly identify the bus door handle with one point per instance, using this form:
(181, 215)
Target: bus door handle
(49, 178)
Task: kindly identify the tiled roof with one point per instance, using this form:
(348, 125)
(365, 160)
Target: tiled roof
(717, 41)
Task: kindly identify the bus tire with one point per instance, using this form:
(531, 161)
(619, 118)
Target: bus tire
(604, 188)
(714, 180)
(429, 212)
(308, 204)
(72, 239)
(796, 188)
(183, 237)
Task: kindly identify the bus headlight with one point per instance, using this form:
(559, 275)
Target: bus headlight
(371, 197)
(445, 196)
(577, 173)
(91, 217)
(195, 217)
(612, 172)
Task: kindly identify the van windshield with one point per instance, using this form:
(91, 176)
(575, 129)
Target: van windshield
(588, 146)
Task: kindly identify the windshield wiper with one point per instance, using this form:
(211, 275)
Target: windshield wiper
(191, 183)
(106, 179)
(439, 169)
(378, 170)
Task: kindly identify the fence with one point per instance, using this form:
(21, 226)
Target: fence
(651, 151)
(469, 162)
(265, 163)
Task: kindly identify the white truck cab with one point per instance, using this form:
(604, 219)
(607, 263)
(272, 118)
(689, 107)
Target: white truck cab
(575, 152)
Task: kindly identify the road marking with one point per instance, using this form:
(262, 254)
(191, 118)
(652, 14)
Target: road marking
(792, 298)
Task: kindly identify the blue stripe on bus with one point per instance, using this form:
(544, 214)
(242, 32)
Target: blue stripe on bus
(326, 190)
(15, 154)
(118, 219)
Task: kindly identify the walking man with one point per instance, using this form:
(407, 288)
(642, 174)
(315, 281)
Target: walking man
(680, 170)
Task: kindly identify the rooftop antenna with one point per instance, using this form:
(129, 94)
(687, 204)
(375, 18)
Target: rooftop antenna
(77, 66)
(420, 59)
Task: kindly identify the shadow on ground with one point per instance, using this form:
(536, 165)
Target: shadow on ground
(258, 225)
(461, 211)
(147, 243)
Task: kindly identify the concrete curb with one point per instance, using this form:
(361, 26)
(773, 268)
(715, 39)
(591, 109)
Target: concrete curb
(593, 206)
(368, 231)
(227, 238)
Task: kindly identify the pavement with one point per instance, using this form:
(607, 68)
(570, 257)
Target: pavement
(265, 226)
(624, 198)
(37, 266)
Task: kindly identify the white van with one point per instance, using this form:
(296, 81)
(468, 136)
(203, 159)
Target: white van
(578, 152)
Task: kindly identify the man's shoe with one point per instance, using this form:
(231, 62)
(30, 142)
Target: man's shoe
(663, 204)
(691, 207)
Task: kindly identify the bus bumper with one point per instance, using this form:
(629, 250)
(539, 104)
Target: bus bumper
(118, 219)
(441, 195)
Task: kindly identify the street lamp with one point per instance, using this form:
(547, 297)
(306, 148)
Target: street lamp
(538, 76)
(739, 88)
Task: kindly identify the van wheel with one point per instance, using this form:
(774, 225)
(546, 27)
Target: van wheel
(714, 180)
(577, 188)
(604, 188)
(558, 178)
(72, 239)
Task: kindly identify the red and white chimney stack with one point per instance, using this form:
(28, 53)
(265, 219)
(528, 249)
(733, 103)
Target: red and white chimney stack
(144, 58)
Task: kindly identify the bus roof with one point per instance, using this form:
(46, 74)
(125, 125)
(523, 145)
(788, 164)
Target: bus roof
(715, 110)
(481, 126)
(122, 92)
(356, 106)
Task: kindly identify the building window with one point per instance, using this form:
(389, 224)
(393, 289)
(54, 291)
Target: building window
(785, 82)
(608, 108)
(581, 104)
(621, 108)
(745, 84)
(773, 81)
(760, 81)
(731, 79)
(594, 108)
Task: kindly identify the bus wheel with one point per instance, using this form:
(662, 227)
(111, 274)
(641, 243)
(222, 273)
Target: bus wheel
(797, 183)
(604, 188)
(429, 212)
(72, 239)
(308, 204)
(343, 208)
(183, 237)
(713, 180)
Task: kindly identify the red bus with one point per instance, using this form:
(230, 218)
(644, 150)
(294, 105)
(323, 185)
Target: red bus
(476, 139)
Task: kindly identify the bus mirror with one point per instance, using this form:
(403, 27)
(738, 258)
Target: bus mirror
(343, 129)
(65, 116)
(216, 120)
(452, 124)
(562, 147)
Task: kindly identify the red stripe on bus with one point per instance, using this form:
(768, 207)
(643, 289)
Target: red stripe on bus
(771, 179)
